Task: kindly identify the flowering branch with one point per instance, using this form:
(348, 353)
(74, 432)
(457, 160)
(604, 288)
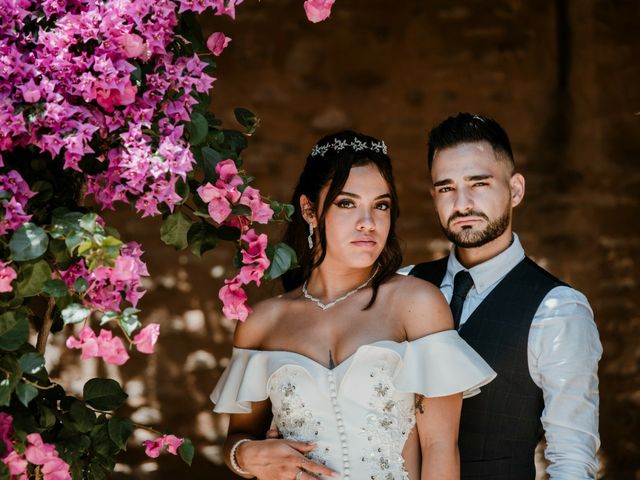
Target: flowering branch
(43, 334)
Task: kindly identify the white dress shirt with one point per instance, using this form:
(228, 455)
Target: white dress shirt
(563, 352)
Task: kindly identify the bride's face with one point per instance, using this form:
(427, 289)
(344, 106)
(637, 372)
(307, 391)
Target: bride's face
(358, 220)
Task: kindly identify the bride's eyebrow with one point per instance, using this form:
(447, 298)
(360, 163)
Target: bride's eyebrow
(355, 195)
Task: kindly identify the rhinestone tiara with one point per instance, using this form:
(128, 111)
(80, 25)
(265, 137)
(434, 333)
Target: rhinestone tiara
(355, 144)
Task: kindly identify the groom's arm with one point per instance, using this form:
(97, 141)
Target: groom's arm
(564, 350)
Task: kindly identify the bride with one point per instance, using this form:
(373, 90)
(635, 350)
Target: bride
(358, 367)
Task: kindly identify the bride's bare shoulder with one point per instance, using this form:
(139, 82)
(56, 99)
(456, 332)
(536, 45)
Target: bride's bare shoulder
(252, 332)
(420, 305)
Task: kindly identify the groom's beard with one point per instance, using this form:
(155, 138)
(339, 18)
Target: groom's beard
(470, 238)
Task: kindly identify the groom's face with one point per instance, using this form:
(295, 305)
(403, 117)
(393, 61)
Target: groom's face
(472, 191)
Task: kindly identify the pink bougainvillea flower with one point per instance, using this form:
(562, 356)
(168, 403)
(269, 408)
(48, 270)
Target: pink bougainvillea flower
(124, 270)
(105, 345)
(261, 212)
(233, 299)
(7, 275)
(56, 469)
(6, 428)
(146, 339)
(228, 173)
(46, 455)
(132, 45)
(255, 252)
(173, 443)
(16, 464)
(14, 216)
(154, 447)
(318, 10)
(86, 341)
(111, 348)
(217, 42)
(251, 273)
(39, 452)
(218, 205)
(30, 92)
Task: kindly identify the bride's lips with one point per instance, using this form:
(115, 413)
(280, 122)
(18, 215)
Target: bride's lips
(364, 242)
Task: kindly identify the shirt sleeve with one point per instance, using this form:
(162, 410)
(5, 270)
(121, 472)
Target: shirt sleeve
(564, 350)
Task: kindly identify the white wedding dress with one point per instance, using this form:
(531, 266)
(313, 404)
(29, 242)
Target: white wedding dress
(360, 413)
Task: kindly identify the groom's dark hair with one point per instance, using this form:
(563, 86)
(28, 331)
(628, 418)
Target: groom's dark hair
(469, 128)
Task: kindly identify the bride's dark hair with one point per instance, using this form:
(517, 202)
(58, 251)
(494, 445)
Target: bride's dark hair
(331, 166)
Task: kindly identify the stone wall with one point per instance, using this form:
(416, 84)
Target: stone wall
(560, 76)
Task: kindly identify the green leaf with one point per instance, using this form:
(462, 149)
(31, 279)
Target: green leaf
(234, 143)
(101, 443)
(75, 313)
(63, 302)
(182, 189)
(202, 237)
(47, 417)
(80, 285)
(174, 230)
(45, 191)
(240, 209)
(88, 222)
(210, 158)
(129, 323)
(73, 239)
(119, 431)
(198, 128)
(32, 278)
(247, 119)
(14, 330)
(285, 210)
(28, 242)
(104, 394)
(229, 234)
(12, 371)
(25, 393)
(108, 316)
(284, 258)
(59, 251)
(186, 451)
(31, 362)
(111, 241)
(55, 288)
(83, 417)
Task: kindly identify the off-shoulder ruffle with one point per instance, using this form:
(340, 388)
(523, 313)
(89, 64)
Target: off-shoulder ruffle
(243, 381)
(435, 365)
(442, 364)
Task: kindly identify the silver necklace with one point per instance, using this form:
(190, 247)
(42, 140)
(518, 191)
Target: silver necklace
(324, 306)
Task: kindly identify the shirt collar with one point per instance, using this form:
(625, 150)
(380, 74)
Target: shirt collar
(487, 273)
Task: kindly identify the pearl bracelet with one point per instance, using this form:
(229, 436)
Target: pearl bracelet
(232, 457)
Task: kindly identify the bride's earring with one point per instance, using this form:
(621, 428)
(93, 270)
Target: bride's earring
(310, 237)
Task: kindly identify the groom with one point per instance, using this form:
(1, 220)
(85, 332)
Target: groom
(534, 330)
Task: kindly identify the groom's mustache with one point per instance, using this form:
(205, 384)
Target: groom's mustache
(473, 213)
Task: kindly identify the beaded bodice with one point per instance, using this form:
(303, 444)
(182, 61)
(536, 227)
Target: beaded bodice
(360, 413)
(353, 413)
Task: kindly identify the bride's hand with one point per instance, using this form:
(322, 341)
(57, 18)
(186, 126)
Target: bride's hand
(277, 459)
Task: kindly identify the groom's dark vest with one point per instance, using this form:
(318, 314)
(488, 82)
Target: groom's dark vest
(500, 427)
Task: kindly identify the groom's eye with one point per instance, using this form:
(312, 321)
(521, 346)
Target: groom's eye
(445, 189)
